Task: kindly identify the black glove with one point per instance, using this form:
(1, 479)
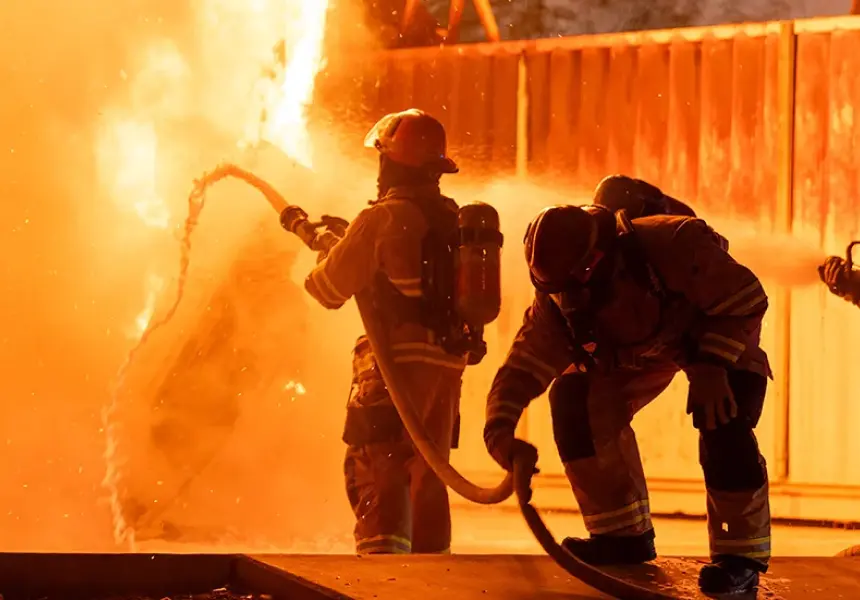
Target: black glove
(710, 398)
(507, 449)
(476, 353)
(335, 224)
(833, 273)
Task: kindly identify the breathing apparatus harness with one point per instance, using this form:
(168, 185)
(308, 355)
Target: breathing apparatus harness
(437, 307)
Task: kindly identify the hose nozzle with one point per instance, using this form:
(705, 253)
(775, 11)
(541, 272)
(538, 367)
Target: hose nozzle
(849, 254)
(295, 220)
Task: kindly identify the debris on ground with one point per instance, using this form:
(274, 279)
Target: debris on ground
(216, 594)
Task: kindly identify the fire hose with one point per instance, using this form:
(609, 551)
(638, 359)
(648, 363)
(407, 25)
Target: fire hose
(296, 221)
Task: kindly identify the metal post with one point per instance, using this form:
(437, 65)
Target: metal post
(522, 164)
(784, 217)
(522, 117)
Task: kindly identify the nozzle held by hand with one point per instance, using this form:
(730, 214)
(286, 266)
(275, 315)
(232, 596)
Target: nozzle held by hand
(295, 220)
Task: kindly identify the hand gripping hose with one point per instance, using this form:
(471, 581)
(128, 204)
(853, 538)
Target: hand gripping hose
(520, 479)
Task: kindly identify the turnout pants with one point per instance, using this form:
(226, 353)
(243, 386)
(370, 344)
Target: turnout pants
(400, 505)
(591, 422)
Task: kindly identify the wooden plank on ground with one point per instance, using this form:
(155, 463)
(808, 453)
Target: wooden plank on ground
(472, 577)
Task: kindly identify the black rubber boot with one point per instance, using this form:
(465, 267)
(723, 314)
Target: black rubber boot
(613, 550)
(730, 576)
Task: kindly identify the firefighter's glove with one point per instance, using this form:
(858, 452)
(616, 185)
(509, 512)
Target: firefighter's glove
(710, 399)
(832, 273)
(476, 353)
(505, 449)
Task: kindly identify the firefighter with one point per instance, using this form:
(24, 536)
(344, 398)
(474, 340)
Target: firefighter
(841, 278)
(400, 505)
(621, 306)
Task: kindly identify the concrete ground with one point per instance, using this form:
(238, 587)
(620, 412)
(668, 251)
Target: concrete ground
(483, 530)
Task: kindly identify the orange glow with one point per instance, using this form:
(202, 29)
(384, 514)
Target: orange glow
(154, 286)
(285, 98)
(111, 113)
(128, 147)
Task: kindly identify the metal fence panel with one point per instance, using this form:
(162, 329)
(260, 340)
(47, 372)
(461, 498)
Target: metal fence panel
(471, 90)
(825, 379)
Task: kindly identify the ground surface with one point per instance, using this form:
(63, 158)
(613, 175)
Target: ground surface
(538, 578)
(218, 594)
(493, 530)
(482, 530)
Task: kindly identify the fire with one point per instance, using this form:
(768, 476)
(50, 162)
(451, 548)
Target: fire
(155, 284)
(129, 144)
(295, 387)
(285, 98)
(129, 152)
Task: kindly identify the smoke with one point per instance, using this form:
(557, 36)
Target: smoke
(111, 110)
(776, 258)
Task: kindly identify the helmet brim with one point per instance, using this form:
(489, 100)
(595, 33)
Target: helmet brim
(448, 166)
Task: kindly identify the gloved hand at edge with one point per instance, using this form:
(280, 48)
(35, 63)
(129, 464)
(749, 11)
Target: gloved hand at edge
(505, 448)
(831, 273)
(710, 399)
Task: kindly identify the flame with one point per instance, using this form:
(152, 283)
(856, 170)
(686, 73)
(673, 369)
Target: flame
(295, 386)
(128, 151)
(286, 95)
(155, 284)
(128, 145)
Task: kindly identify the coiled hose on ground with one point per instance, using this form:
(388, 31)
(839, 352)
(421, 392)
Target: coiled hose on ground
(519, 480)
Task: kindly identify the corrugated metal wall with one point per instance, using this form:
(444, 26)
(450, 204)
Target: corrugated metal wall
(693, 111)
(714, 116)
(825, 332)
(472, 90)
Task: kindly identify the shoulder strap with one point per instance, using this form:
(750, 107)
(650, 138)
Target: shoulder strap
(634, 256)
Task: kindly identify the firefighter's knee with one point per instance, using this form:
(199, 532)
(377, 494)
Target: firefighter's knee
(730, 458)
(749, 390)
(571, 425)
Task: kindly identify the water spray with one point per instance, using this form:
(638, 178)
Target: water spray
(123, 532)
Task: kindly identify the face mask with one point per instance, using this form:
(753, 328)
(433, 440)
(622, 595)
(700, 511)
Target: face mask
(572, 300)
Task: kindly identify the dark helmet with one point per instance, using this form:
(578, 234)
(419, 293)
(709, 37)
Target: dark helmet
(414, 139)
(637, 197)
(564, 243)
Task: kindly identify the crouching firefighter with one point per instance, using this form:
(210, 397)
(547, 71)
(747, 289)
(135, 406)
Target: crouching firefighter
(841, 277)
(621, 306)
(402, 247)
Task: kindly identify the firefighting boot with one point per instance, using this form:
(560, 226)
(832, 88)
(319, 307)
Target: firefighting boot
(729, 576)
(613, 550)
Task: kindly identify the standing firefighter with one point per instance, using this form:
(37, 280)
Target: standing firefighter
(620, 307)
(400, 248)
